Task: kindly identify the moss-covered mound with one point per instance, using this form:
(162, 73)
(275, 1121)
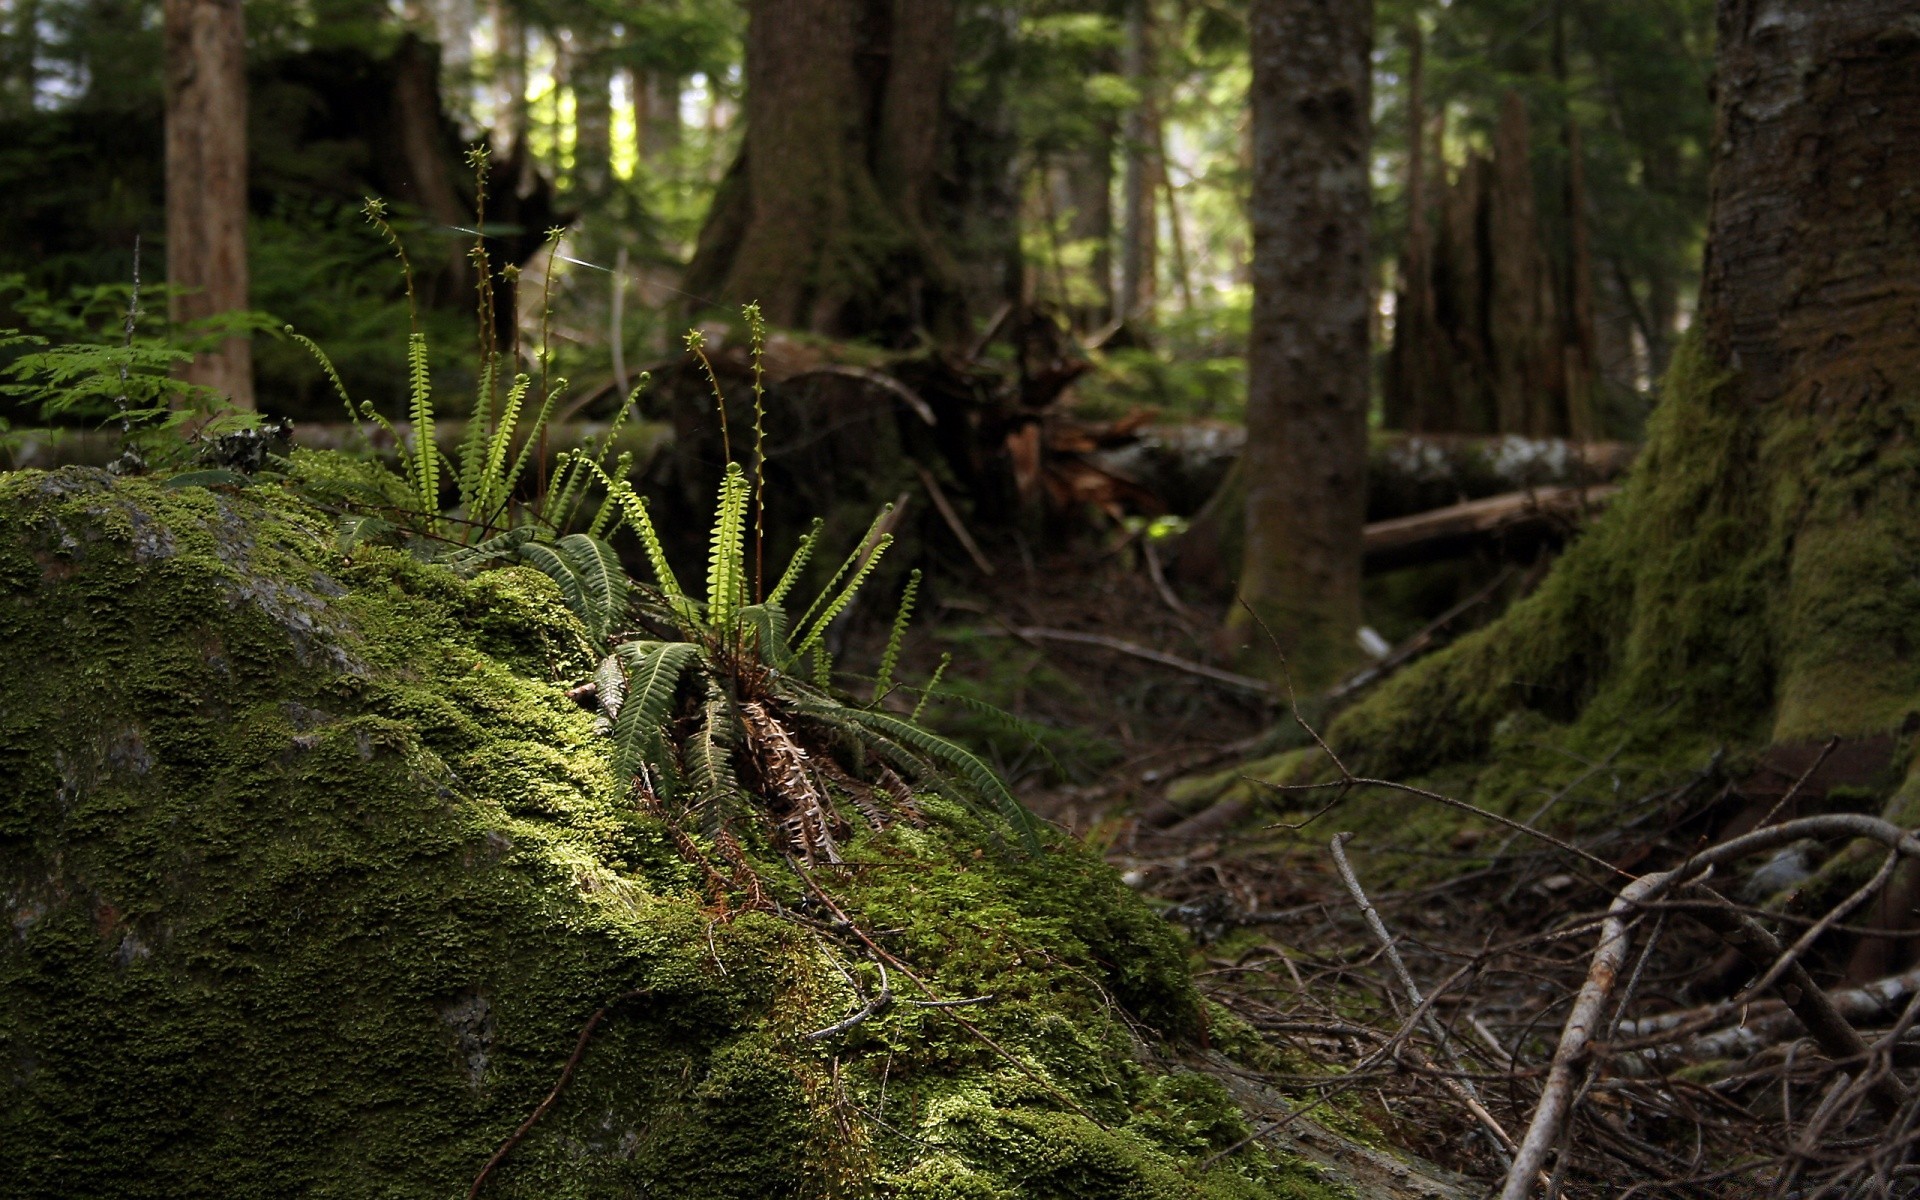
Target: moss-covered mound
(314, 877)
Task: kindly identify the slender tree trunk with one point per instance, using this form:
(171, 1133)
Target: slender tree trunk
(206, 64)
(592, 82)
(656, 115)
(1136, 183)
(1090, 194)
(1307, 362)
(510, 120)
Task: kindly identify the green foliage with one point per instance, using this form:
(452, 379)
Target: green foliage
(97, 356)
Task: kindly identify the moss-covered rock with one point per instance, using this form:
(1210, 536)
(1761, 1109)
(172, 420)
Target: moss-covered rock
(315, 876)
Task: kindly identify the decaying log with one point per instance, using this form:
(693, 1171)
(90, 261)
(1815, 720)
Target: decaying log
(1447, 532)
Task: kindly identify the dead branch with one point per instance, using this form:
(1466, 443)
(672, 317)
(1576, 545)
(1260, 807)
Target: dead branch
(1555, 1097)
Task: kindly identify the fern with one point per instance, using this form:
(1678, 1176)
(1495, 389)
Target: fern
(797, 564)
(891, 657)
(653, 672)
(977, 775)
(467, 559)
(533, 439)
(707, 751)
(848, 564)
(573, 589)
(846, 595)
(768, 625)
(426, 455)
(926, 693)
(602, 581)
(726, 555)
(635, 510)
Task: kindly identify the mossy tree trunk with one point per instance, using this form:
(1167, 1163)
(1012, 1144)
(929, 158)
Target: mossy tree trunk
(1759, 578)
(825, 218)
(1307, 363)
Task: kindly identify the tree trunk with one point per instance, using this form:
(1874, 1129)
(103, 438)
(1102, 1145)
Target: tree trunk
(1089, 178)
(1307, 363)
(509, 83)
(592, 80)
(1138, 224)
(1754, 581)
(824, 220)
(656, 115)
(206, 121)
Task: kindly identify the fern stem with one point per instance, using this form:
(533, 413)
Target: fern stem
(891, 658)
(926, 693)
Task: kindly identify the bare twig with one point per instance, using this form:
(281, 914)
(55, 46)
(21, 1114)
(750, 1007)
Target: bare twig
(1555, 1097)
(566, 1075)
(1244, 683)
(948, 514)
(1461, 1086)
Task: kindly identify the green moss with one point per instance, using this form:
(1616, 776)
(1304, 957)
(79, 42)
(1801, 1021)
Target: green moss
(1755, 580)
(314, 877)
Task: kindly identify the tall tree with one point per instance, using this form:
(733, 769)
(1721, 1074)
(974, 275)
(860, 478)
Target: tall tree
(825, 218)
(206, 121)
(1307, 364)
(1755, 580)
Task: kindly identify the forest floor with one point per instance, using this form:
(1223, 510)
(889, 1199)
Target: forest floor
(1494, 926)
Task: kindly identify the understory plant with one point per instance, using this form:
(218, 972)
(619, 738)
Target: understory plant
(721, 709)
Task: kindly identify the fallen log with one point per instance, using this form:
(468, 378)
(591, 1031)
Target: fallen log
(1537, 513)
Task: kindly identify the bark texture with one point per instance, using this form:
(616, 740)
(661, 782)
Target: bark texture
(1308, 371)
(825, 218)
(206, 96)
(1756, 579)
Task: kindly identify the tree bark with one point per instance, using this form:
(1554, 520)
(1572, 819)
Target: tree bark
(824, 220)
(1754, 580)
(1138, 224)
(206, 122)
(1307, 362)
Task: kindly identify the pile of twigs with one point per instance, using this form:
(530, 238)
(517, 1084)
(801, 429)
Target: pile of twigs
(1547, 1020)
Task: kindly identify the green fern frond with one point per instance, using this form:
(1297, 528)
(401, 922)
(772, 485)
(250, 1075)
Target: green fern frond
(467, 559)
(609, 517)
(822, 667)
(978, 777)
(473, 452)
(708, 751)
(326, 365)
(801, 554)
(603, 581)
(848, 564)
(426, 455)
(891, 657)
(549, 562)
(494, 491)
(1027, 731)
(533, 440)
(653, 672)
(840, 602)
(358, 528)
(726, 555)
(635, 509)
(768, 624)
(926, 693)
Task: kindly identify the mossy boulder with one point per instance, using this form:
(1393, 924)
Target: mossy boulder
(314, 877)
